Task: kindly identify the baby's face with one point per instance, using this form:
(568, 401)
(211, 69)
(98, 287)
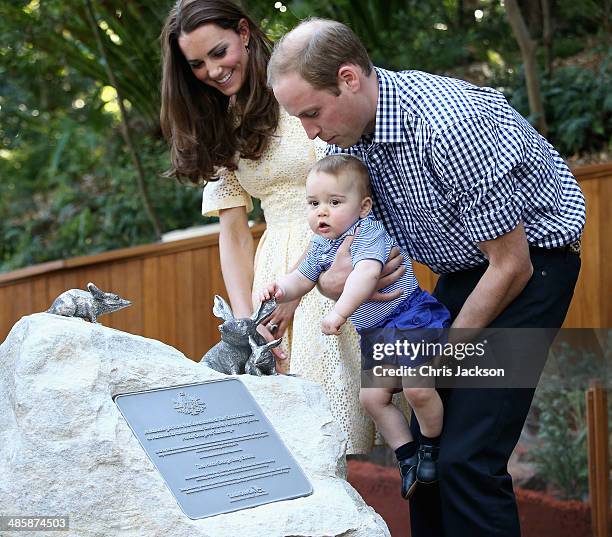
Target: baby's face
(334, 203)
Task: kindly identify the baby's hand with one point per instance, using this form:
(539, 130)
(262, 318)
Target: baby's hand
(272, 290)
(331, 323)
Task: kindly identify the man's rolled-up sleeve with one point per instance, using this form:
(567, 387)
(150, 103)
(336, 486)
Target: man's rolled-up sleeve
(477, 159)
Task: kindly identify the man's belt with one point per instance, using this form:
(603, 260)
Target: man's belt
(571, 248)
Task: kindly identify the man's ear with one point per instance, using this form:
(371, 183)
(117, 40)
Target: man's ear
(366, 207)
(349, 75)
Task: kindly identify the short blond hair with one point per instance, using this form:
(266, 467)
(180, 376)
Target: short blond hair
(315, 50)
(345, 164)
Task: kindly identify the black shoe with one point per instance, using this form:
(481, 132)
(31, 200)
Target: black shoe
(427, 468)
(408, 473)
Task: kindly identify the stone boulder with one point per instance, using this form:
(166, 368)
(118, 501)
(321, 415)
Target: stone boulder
(65, 449)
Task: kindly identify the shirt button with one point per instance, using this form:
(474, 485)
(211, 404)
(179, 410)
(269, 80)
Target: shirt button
(323, 257)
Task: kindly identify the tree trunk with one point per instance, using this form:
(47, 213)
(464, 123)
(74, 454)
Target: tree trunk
(531, 11)
(125, 127)
(528, 52)
(606, 21)
(547, 35)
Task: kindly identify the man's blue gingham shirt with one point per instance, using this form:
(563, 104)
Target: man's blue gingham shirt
(372, 242)
(452, 164)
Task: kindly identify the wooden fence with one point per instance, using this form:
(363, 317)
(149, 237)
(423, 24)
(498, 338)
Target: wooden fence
(172, 284)
(599, 458)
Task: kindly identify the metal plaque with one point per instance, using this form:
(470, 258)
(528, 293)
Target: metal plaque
(214, 447)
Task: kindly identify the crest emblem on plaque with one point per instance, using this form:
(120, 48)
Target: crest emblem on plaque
(187, 404)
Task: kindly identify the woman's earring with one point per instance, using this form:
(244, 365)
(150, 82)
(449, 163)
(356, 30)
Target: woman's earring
(247, 47)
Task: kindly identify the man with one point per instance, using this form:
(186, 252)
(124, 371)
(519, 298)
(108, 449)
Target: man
(469, 188)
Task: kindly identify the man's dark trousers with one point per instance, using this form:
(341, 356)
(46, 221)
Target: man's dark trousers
(474, 495)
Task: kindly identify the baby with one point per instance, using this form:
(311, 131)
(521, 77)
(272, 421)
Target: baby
(339, 204)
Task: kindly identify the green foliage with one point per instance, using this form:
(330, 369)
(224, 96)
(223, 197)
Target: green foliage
(68, 186)
(578, 107)
(561, 460)
(76, 195)
(405, 34)
(560, 410)
(90, 202)
(53, 33)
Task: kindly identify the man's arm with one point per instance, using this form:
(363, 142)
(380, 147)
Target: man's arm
(332, 281)
(508, 272)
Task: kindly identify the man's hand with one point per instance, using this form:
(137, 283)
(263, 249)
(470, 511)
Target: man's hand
(506, 276)
(331, 282)
(393, 270)
(331, 323)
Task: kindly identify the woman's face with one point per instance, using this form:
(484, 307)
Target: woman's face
(217, 57)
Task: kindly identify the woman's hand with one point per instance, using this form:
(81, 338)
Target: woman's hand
(275, 326)
(279, 319)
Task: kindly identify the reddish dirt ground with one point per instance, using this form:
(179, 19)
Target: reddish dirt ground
(541, 515)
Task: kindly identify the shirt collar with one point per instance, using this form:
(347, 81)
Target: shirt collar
(388, 127)
(350, 231)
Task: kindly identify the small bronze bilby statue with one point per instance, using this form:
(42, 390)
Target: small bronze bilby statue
(88, 305)
(242, 349)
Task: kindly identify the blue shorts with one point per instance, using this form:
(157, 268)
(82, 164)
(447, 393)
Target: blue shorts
(420, 318)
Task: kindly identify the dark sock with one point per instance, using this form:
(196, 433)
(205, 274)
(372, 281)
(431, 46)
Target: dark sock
(435, 441)
(406, 450)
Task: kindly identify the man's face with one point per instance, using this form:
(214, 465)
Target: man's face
(335, 119)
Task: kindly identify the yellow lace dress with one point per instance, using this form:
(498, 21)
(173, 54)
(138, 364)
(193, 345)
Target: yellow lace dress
(278, 180)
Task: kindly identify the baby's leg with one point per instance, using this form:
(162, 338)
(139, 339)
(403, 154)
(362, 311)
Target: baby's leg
(388, 418)
(394, 427)
(427, 407)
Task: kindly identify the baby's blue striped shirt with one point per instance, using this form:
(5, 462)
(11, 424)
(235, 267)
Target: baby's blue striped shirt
(372, 242)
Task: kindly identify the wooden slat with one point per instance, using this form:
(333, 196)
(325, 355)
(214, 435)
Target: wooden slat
(598, 458)
(40, 294)
(126, 281)
(55, 286)
(167, 301)
(585, 310)
(605, 250)
(427, 279)
(203, 320)
(592, 171)
(185, 303)
(151, 292)
(20, 299)
(6, 313)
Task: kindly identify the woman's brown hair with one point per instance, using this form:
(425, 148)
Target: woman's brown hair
(203, 130)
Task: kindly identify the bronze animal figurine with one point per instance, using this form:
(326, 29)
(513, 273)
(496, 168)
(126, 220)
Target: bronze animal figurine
(88, 305)
(233, 355)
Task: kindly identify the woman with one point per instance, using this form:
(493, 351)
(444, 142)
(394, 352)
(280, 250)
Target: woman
(226, 129)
